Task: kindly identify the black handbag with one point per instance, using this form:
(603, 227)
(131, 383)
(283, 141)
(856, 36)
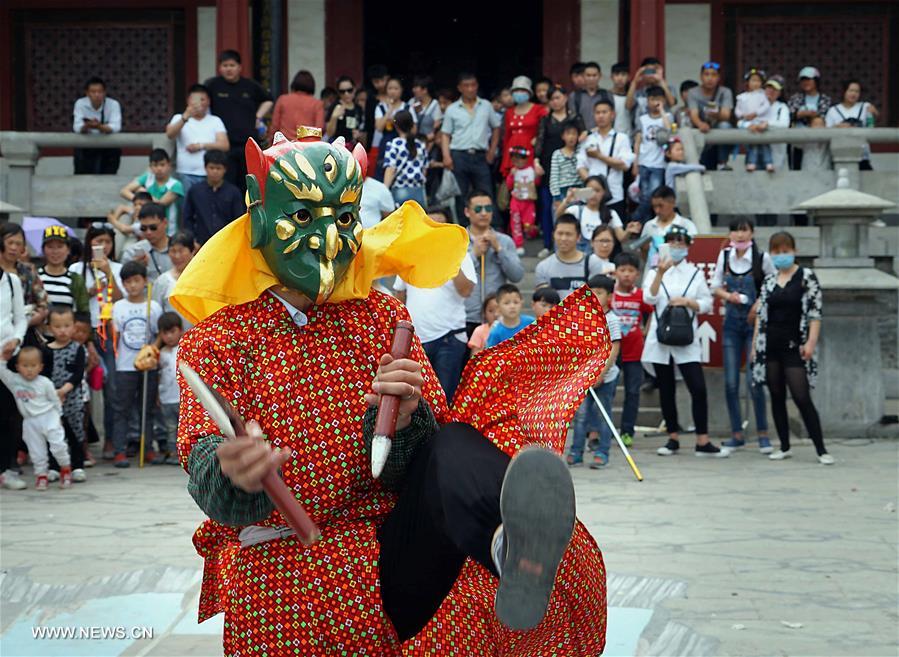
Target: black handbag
(674, 327)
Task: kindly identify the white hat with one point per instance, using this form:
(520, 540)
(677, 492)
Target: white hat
(522, 82)
(809, 72)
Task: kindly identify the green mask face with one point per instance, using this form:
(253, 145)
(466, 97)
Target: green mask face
(308, 227)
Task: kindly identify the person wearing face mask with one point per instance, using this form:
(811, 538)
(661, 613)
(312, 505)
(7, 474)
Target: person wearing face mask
(521, 123)
(737, 281)
(787, 327)
(679, 293)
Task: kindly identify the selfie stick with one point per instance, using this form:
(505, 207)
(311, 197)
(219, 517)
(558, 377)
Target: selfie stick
(483, 279)
(608, 420)
(143, 407)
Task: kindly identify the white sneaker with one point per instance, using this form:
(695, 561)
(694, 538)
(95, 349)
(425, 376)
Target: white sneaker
(79, 475)
(520, 250)
(780, 456)
(11, 480)
(53, 475)
(826, 459)
(544, 253)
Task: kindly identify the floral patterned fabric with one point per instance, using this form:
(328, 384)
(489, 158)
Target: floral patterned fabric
(305, 387)
(811, 310)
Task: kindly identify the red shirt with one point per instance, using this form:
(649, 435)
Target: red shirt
(520, 130)
(630, 309)
(295, 109)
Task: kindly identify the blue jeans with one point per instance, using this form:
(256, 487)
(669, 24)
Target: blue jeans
(588, 418)
(712, 156)
(188, 180)
(403, 194)
(760, 156)
(633, 379)
(447, 355)
(650, 180)
(736, 343)
(472, 172)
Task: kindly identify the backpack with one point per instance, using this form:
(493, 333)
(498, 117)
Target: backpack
(675, 326)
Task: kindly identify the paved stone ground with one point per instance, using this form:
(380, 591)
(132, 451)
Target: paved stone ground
(706, 557)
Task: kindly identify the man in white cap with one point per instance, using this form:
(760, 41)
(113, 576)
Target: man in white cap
(806, 104)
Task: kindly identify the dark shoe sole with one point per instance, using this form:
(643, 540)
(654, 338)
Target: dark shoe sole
(537, 507)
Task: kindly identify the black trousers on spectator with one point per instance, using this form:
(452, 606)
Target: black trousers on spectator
(448, 511)
(695, 380)
(10, 430)
(76, 447)
(472, 172)
(97, 160)
(786, 369)
(236, 173)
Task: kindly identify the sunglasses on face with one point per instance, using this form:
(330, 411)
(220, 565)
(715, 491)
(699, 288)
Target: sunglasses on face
(478, 209)
(148, 228)
(346, 91)
(711, 65)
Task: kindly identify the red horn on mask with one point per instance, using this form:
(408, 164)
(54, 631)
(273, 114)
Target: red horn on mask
(361, 159)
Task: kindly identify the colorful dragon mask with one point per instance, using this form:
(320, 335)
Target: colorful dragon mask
(303, 199)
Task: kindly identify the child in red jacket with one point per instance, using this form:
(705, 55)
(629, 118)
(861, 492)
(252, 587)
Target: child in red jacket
(627, 302)
(522, 182)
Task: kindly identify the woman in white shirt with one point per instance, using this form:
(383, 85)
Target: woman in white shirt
(592, 211)
(853, 113)
(674, 284)
(103, 279)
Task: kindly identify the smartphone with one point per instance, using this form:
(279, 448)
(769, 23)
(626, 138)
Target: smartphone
(649, 71)
(583, 194)
(664, 251)
(98, 252)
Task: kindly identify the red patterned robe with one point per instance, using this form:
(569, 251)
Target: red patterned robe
(305, 387)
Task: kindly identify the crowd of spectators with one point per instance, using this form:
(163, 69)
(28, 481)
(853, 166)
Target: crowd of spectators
(88, 351)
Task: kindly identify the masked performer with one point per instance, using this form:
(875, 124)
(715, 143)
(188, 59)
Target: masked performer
(467, 544)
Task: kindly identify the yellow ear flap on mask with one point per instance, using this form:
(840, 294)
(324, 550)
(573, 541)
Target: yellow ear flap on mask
(228, 271)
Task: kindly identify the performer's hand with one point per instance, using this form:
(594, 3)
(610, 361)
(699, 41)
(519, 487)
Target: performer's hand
(807, 350)
(248, 459)
(402, 378)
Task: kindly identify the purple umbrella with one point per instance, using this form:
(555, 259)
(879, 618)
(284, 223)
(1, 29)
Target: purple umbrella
(34, 230)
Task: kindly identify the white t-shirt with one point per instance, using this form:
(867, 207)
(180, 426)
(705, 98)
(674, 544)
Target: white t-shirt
(653, 229)
(440, 310)
(614, 325)
(195, 131)
(376, 198)
(623, 122)
(130, 321)
(591, 220)
(87, 273)
(168, 382)
(651, 154)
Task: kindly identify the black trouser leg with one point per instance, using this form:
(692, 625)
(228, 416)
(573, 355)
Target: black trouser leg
(797, 382)
(774, 373)
(449, 510)
(695, 380)
(10, 429)
(665, 379)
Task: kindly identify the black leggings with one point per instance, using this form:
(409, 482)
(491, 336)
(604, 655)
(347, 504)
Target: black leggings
(785, 369)
(10, 429)
(695, 380)
(448, 511)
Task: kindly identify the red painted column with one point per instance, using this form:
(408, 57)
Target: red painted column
(232, 30)
(561, 38)
(343, 40)
(647, 31)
